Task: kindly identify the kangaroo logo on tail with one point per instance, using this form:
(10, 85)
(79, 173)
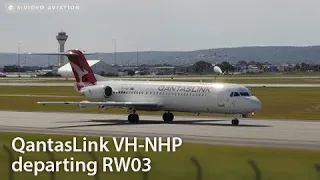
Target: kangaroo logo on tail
(79, 72)
(81, 69)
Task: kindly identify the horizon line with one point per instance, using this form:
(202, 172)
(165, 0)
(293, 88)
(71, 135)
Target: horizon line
(231, 47)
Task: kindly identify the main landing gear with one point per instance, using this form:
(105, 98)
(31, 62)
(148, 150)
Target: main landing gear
(133, 117)
(235, 122)
(167, 117)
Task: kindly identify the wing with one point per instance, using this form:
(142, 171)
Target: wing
(107, 103)
(59, 53)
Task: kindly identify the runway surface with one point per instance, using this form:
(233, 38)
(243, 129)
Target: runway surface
(247, 85)
(272, 133)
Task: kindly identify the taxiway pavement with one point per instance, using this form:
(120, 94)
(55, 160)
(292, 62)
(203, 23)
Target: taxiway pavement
(272, 133)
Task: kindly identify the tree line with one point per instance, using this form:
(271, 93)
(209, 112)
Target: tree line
(203, 67)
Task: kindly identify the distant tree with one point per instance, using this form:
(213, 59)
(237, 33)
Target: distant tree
(131, 72)
(203, 66)
(111, 74)
(242, 63)
(226, 67)
(252, 63)
(297, 67)
(259, 65)
(304, 66)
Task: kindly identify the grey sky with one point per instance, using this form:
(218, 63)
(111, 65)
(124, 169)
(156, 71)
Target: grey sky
(162, 24)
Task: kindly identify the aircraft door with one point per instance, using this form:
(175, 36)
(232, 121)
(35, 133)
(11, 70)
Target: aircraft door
(231, 102)
(225, 102)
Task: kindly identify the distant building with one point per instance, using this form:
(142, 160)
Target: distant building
(98, 67)
(165, 70)
(11, 68)
(252, 69)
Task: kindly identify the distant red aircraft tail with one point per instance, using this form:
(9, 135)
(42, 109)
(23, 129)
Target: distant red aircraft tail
(81, 70)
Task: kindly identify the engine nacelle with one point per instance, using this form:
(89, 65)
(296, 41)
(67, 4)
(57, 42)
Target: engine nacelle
(107, 91)
(97, 91)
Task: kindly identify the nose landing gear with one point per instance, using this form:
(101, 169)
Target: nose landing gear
(235, 122)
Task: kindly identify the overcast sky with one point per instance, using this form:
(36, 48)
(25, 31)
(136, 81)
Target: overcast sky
(160, 24)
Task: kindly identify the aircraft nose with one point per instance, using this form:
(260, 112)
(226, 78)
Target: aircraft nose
(255, 104)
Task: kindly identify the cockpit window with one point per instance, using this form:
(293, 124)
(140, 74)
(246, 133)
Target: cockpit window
(240, 94)
(244, 94)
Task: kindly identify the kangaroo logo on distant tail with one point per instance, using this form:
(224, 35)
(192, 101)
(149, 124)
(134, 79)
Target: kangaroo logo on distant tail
(80, 72)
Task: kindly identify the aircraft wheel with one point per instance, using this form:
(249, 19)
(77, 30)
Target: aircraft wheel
(167, 117)
(171, 116)
(133, 118)
(235, 122)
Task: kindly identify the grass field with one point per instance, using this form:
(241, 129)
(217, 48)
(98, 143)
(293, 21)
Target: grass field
(216, 161)
(253, 81)
(225, 79)
(286, 103)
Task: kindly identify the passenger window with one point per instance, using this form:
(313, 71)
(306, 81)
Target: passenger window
(231, 95)
(236, 94)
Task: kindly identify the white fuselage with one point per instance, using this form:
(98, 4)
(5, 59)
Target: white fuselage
(179, 96)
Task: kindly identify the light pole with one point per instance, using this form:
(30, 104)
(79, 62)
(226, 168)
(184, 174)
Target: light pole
(137, 57)
(18, 59)
(114, 51)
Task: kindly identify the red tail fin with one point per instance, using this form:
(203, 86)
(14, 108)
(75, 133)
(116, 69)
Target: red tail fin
(81, 69)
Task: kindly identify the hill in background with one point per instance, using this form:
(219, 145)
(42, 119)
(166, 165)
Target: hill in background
(271, 54)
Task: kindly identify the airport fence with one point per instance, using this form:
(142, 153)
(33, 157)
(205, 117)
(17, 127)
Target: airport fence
(257, 173)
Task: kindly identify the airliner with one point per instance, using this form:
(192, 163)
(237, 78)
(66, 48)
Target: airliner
(195, 97)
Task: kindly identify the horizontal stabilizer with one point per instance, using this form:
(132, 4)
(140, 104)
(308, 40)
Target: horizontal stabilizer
(107, 103)
(60, 53)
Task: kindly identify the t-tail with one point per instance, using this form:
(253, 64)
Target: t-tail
(81, 70)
